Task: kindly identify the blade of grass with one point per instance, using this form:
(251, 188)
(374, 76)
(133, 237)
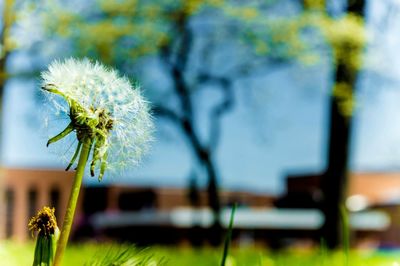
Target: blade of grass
(228, 236)
(323, 252)
(345, 233)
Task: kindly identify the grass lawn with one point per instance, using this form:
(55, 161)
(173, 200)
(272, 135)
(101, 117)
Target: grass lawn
(93, 254)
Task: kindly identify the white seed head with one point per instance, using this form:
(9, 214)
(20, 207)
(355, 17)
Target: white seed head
(96, 87)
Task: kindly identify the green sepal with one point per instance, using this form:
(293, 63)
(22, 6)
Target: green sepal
(103, 166)
(61, 135)
(45, 248)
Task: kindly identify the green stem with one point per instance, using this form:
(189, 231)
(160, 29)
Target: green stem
(228, 236)
(78, 149)
(73, 199)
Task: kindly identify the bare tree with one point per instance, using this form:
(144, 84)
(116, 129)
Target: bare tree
(166, 31)
(174, 51)
(185, 120)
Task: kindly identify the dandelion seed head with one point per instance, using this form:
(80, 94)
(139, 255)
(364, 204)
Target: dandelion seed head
(100, 90)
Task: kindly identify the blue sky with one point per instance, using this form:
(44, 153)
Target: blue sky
(278, 127)
(272, 130)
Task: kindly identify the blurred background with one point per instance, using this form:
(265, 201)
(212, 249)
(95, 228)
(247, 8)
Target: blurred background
(287, 108)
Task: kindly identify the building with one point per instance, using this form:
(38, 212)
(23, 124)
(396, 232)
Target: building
(150, 209)
(28, 190)
(365, 191)
(126, 197)
(303, 191)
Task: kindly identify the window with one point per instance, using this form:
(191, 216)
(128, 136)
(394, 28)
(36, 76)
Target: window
(9, 212)
(32, 202)
(55, 201)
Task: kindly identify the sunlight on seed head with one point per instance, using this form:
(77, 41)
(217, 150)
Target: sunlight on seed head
(101, 105)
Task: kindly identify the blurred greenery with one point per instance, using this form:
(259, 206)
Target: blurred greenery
(92, 254)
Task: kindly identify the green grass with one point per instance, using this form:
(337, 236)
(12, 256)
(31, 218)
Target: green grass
(91, 254)
(260, 257)
(101, 254)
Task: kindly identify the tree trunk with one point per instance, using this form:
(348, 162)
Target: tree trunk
(7, 21)
(336, 176)
(205, 160)
(187, 122)
(215, 233)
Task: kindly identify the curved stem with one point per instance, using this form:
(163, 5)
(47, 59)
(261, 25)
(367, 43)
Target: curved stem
(73, 199)
(61, 135)
(78, 149)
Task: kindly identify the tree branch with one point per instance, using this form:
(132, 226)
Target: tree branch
(220, 109)
(165, 112)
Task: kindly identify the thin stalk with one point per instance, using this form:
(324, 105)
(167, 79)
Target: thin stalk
(78, 149)
(73, 199)
(345, 233)
(229, 235)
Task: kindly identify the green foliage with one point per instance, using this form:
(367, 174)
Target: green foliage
(8, 43)
(347, 37)
(84, 254)
(129, 29)
(116, 31)
(275, 36)
(123, 256)
(121, 33)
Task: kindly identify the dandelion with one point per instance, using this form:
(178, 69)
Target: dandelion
(109, 118)
(45, 225)
(102, 107)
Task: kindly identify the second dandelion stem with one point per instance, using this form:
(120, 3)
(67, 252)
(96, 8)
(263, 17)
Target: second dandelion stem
(73, 199)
